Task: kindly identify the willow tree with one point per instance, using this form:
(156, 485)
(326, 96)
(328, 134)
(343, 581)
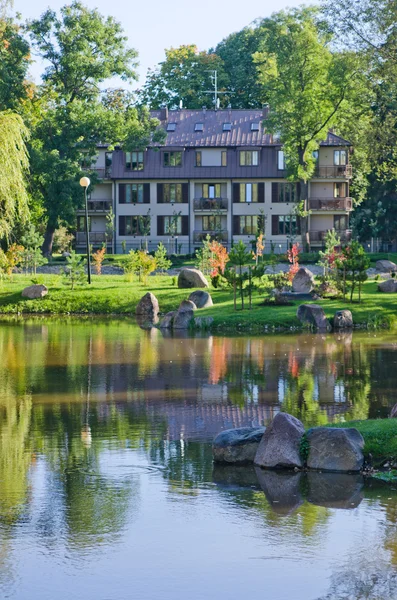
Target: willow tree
(13, 168)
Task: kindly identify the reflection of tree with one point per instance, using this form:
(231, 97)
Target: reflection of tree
(357, 382)
(299, 399)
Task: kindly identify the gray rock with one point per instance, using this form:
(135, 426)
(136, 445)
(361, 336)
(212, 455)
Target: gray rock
(335, 490)
(192, 278)
(183, 319)
(386, 266)
(314, 316)
(201, 299)
(343, 319)
(303, 281)
(389, 286)
(280, 446)
(282, 490)
(203, 322)
(237, 446)
(148, 307)
(167, 320)
(145, 322)
(334, 449)
(35, 291)
(187, 305)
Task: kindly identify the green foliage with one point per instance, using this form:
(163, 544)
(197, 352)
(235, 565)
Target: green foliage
(352, 266)
(14, 63)
(62, 239)
(380, 436)
(162, 261)
(204, 255)
(74, 272)
(304, 448)
(32, 256)
(139, 263)
(124, 246)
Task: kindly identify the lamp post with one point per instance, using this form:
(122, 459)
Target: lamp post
(85, 182)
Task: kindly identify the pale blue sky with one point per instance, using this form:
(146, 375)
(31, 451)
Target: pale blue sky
(154, 25)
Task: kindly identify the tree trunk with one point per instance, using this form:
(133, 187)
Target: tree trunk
(48, 240)
(303, 192)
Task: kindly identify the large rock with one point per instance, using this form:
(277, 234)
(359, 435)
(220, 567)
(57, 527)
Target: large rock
(192, 278)
(389, 286)
(343, 319)
(386, 266)
(148, 307)
(187, 305)
(314, 316)
(280, 446)
(237, 446)
(35, 291)
(167, 320)
(334, 449)
(201, 299)
(282, 490)
(303, 282)
(335, 490)
(183, 319)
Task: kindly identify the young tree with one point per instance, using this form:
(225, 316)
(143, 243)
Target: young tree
(31, 254)
(240, 257)
(74, 272)
(162, 262)
(354, 263)
(98, 258)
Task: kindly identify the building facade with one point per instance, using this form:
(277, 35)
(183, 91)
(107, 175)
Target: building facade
(219, 173)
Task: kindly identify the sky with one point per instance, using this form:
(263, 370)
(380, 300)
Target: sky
(153, 25)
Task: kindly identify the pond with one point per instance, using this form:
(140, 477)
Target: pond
(107, 488)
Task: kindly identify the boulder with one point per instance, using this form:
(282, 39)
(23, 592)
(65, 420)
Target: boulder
(389, 286)
(203, 322)
(334, 449)
(343, 319)
(35, 291)
(192, 278)
(386, 266)
(167, 320)
(303, 282)
(282, 490)
(335, 490)
(187, 305)
(183, 319)
(314, 316)
(145, 322)
(280, 446)
(237, 446)
(148, 306)
(201, 299)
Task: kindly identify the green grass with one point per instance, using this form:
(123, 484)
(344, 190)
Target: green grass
(380, 436)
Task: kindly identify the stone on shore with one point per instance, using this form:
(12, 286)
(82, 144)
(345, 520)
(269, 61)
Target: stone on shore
(167, 320)
(303, 282)
(389, 286)
(33, 292)
(343, 319)
(237, 446)
(334, 449)
(280, 445)
(386, 266)
(192, 278)
(187, 305)
(314, 315)
(201, 299)
(148, 307)
(183, 319)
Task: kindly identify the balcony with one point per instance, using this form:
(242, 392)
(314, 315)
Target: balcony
(220, 236)
(334, 204)
(96, 237)
(339, 172)
(210, 204)
(102, 173)
(318, 237)
(96, 206)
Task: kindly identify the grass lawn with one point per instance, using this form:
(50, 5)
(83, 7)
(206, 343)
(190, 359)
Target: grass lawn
(380, 436)
(116, 295)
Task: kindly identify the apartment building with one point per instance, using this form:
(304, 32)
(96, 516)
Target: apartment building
(220, 173)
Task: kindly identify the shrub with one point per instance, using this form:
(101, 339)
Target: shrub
(162, 261)
(74, 271)
(98, 258)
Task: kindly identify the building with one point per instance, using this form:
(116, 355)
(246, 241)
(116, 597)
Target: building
(220, 173)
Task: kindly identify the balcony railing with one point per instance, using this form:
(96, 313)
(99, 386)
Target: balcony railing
(210, 204)
(335, 172)
(97, 206)
(319, 236)
(103, 173)
(220, 236)
(331, 204)
(96, 237)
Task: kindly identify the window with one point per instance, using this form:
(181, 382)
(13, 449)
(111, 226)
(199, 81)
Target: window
(280, 160)
(340, 157)
(172, 192)
(131, 225)
(171, 126)
(248, 224)
(211, 190)
(315, 155)
(108, 163)
(134, 161)
(172, 225)
(198, 158)
(224, 158)
(199, 127)
(285, 225)
(173, 159)
(134, 193)
(227, 127)
(254, 126)
(212, 223)
(340, 222)
(248, 158)
(340, 190)
(284, 192)
(248, 192)
(81, 223)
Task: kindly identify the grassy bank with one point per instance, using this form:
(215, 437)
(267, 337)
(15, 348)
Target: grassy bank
(380, 436)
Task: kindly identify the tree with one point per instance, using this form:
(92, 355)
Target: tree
(306, 85)
(98, 258)
(31, 253)
(354, 263)
(162, 262)
(240, 256)
(14, 63)
(74, 271)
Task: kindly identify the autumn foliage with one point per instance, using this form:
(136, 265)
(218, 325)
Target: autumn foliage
(293, 257)
(98, 258)
(219, 258)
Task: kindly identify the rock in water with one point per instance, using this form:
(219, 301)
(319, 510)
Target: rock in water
(335, 490)
(280, 446)
(343, 319)
(389, 286)
(148, 306)
(386, 266)
(183, 318)
(167, 320)
(203, 322)
(334, 449)
(237, 446)
(314, 316)
(282, 489)
(303, 282)
(192, 278)
(35, 291)
(201, 299)
(187, 305)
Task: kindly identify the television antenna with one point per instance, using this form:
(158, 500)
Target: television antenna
(214, 92)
